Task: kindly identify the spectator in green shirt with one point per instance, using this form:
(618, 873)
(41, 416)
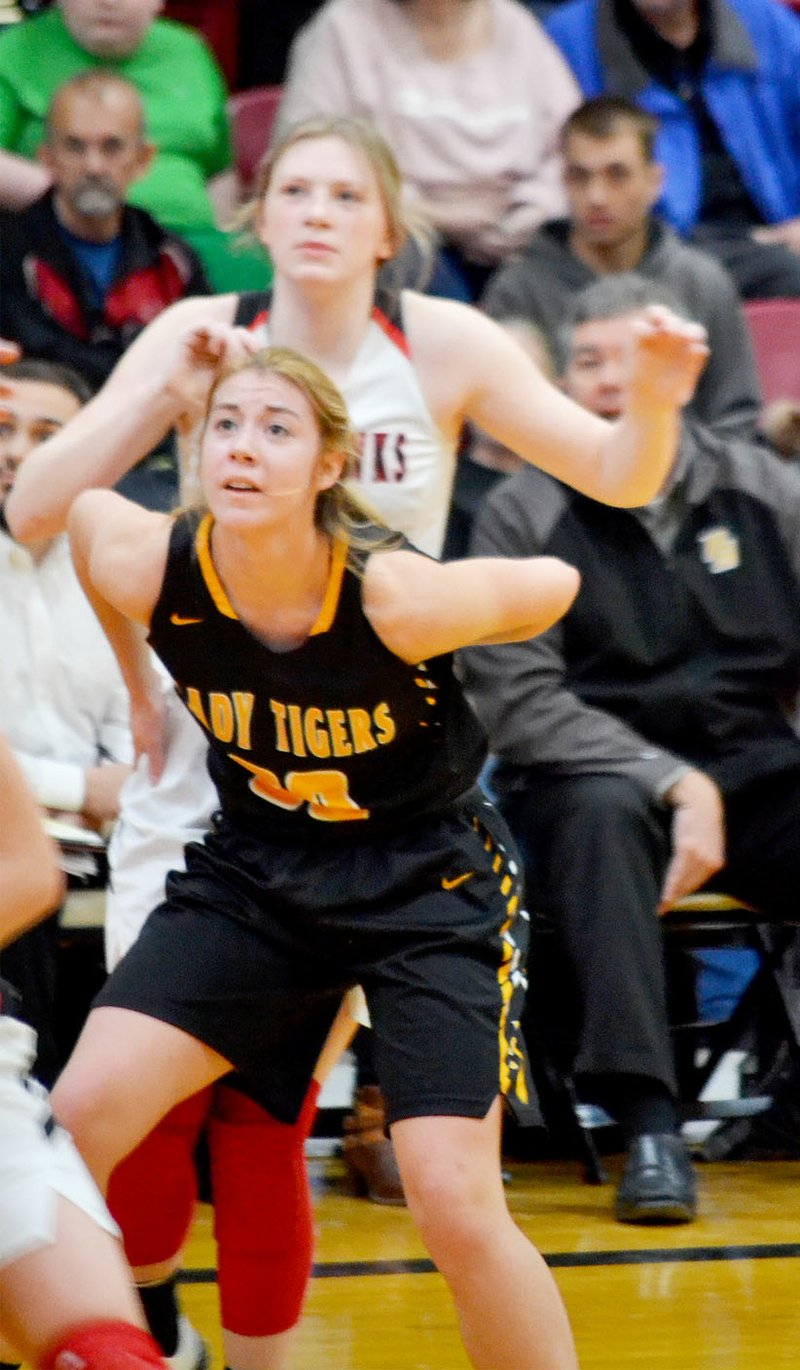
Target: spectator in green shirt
(192, 182)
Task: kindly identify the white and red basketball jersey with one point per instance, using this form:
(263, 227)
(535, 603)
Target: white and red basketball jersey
(407, 465)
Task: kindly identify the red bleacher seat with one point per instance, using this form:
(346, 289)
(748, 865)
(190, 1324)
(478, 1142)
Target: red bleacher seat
(775, 329)
(219, 25)
(252, 116)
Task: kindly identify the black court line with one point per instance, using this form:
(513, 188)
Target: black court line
(658, 1255)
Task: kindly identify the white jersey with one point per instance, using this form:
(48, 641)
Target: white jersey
(38, 1160)
(154, 825)
(406, 473)
(406, 465)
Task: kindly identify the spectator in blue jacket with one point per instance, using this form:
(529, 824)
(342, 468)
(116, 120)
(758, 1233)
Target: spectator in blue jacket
(723, 78)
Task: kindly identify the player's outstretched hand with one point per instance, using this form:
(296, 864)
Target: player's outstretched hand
(668, 356)
(198, 357)
(148, 729)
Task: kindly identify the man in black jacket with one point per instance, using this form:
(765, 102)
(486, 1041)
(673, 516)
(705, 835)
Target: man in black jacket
(612, 182)
(645, 742)
(82, 272)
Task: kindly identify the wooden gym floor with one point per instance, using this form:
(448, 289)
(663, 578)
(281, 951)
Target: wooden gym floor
(722, 1293)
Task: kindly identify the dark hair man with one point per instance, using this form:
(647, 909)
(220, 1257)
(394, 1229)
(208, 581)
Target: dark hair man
(612, 181)
(721, 77)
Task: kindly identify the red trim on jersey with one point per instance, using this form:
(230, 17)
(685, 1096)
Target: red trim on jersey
(391, 330)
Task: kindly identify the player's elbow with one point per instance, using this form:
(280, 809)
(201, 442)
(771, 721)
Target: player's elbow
(566, 582)
(556, 586)
(85, 516)
(26, 522)
(52, 888)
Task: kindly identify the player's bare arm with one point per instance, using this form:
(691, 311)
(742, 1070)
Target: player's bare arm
(120, 552)
(421, 608)
(31, 883)
(489, 379)
(123, 422)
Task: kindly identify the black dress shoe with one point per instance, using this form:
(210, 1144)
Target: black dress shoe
(658, 1183)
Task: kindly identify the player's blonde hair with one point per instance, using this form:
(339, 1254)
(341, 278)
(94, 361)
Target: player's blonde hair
(363, 136)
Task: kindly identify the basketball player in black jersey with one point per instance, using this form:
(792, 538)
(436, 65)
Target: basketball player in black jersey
(314, 649)
(329, 208)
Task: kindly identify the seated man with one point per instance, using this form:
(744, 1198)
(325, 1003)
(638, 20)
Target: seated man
(62, 700)
(612, 181)
(721, 76)
(81, 271)
(192, 182)
(644, 743)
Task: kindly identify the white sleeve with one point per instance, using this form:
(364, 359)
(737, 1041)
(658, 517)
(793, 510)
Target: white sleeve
(55, 784)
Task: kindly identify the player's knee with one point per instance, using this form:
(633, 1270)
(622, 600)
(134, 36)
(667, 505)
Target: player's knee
(457, 1233)
(451, 1204)
(262, 1297)
(152, 1193)
(265, 1250)
(104, 1346)
(84, 1108)
(259, 1173)
(262, 1215)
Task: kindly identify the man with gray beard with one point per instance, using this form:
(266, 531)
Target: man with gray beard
(82, 272)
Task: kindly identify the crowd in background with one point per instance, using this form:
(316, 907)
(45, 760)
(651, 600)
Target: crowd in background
(567, 168)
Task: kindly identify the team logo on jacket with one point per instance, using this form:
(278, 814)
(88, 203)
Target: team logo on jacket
(719, 549)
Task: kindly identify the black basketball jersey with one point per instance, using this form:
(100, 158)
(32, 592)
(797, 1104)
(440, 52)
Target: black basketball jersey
(335, 737)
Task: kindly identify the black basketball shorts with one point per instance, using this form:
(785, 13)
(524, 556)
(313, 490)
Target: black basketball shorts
(256, 943)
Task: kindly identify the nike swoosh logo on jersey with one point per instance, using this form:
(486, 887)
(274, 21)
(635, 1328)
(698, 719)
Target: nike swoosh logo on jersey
(457, 880)
(181, 622)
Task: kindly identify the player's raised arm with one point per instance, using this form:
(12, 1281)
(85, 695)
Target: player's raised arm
(132, 412)
(488, 378)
